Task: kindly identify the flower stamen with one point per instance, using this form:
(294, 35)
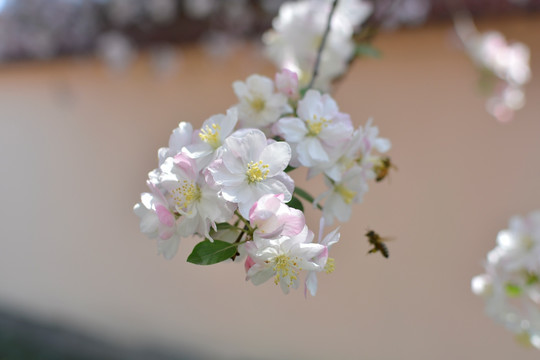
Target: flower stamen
(210, 135)
(256, 171)
(346, 194)
(316, 125)
(185, 194)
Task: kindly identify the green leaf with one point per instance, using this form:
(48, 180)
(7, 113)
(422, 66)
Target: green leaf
(305, 195)
(223, 226)
(208, 253)
(532, 279)
(512, 290)
(296, 203)
(367, 50)
(289, 168)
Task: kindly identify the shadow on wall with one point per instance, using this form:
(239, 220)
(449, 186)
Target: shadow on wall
(24, 338)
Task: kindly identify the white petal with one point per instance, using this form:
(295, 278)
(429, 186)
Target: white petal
(259, 274)
(277, 156)
(291, 129)
(168, 248)
(311, 283)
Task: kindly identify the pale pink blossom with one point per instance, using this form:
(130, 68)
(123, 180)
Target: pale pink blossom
(287, 83)
(271, 217)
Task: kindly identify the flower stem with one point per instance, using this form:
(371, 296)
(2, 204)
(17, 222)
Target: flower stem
(245, 221)
(321, 47)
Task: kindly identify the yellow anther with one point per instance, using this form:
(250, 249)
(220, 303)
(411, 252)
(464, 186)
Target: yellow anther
(256, 171)
(346, 194)
(185, 194)
(257, 103)
(285, 267)
(330, 266)
(210, 135)
(316, 125)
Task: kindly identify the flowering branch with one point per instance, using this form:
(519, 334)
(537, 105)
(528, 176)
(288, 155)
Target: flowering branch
(321, 47)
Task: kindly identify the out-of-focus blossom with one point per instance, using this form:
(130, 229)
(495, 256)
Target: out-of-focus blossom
(259, 104)
(297, 34)
(506, 65)
(394, 13)
(511, 284)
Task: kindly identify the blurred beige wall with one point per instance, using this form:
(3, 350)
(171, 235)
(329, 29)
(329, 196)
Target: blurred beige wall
(77, 142)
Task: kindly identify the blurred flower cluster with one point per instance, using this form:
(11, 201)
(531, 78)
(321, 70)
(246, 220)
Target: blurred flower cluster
(228, 181)
(511, 284)
(509, 62)
(298, 31)
(504, 70)
(48, 28)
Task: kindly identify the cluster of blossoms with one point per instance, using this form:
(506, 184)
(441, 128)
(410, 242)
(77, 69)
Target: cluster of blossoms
(228, 181)
(298, 31)
(505, 69)
(511, 284)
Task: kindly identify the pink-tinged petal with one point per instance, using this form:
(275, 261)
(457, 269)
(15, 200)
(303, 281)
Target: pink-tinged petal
(249, 263)
(293, 222)
(187, 164)
(157, 195)
(291, 129)
(265, 207)
(287, 83)
(164, 215)
(277, 157)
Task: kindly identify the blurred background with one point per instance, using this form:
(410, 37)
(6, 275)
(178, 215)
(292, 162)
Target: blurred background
(89, 90)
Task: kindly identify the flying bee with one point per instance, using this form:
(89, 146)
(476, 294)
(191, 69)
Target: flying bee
(382, 167)
(378, 243)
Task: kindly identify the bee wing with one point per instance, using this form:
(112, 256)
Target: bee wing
(385, 239)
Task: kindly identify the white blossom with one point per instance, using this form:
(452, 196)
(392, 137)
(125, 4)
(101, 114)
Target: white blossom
(250, 168)
(259, 104)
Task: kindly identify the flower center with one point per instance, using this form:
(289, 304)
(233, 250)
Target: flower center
(330, 266)
(210, 135)
(285, 268)
(256, 171)
(257, 103)
(185, 194)
(316, 125)
(346, 194)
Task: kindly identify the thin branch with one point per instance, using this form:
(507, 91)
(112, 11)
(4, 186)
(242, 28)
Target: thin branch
(321, 47)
